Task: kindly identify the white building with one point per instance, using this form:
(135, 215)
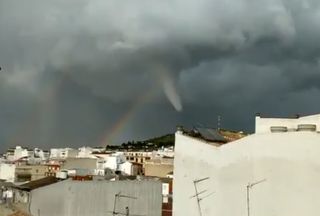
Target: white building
(85, 152)
(7, 172)
(38, 156)
(164, 152)
(20, 152)
(285, 166)
(267, 125)
(63, 153)
(138, 156)
(116, 162)
(24, 154)
(41, 154)
(126, 168)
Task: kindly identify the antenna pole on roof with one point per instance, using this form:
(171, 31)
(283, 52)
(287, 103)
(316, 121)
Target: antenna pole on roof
(198, 193)
(219, 122)
(117, 197)
(249, 186)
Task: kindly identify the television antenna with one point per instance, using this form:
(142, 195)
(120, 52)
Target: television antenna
(203, 193)
(219, 122)
(249, 186)
(117, 197)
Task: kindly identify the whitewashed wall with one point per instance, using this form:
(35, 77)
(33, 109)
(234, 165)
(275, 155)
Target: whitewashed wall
(96, 198)
(263, 124)
(126, 167)
(289, 161)
(7, 172)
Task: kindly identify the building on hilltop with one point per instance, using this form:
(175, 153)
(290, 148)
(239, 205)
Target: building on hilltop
(271, 172)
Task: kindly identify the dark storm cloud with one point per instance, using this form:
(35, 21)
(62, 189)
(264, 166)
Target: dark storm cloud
(72, 69)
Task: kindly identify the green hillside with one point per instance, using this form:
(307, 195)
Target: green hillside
(149, 144)
(165, 140)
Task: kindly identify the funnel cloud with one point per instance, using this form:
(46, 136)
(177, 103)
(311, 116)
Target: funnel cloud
(171, 93)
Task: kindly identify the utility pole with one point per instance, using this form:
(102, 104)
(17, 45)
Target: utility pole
(197, 195)
(249, 186)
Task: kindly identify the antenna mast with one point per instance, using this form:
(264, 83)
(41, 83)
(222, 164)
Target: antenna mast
(198, 193)
(117, 197)
(219, 122)
(249, 186)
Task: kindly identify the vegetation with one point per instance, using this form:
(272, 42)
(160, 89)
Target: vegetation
(147, 145)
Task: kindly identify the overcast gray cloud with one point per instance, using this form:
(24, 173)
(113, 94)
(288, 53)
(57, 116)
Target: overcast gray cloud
(89, 72)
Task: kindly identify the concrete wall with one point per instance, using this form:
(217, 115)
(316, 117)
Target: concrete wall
(79, 163)
(33, 171)
(70, 198)
(263, 124)
(289, 162)
(160, 170)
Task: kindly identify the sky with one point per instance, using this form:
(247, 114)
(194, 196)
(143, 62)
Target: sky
(96, 72)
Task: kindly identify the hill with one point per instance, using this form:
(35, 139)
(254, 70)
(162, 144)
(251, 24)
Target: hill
(165, 140)
(147, 145)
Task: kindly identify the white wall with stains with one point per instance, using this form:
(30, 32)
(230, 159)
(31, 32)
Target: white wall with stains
(96, 198)
(290, 163)
(263, 124)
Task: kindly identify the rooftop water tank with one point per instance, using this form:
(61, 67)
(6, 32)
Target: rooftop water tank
(62, 175)
(307, 127)
(278, 129)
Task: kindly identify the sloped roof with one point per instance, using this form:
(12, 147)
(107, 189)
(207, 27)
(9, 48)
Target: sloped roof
(6, 184)
(217, 136)
(210, 134)
(38, 183)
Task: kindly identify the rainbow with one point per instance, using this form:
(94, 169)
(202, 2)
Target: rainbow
(123, 121)
(118, 127)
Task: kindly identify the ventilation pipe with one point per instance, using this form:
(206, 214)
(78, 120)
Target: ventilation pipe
(307, 127)
(278, 129)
